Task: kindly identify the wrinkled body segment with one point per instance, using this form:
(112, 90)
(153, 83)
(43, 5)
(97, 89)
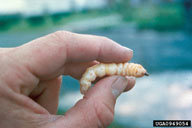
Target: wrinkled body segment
(100, 70)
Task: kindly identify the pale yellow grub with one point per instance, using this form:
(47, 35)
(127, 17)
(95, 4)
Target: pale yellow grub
(100, 70)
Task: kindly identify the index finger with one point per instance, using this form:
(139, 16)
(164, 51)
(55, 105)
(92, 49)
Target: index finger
(46, 57)
(86, 48)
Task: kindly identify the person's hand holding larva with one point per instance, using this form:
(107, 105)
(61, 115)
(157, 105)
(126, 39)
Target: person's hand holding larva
(30, 79)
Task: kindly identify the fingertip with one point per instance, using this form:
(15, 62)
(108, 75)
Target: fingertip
(111, 51)
(128, 53)
(128, 49)
(118, 54)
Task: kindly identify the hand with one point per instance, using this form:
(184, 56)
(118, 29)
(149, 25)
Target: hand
(30, 79)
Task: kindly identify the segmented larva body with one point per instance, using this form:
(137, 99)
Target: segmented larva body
(100, 70)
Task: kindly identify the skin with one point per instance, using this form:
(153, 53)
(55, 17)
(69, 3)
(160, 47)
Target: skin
(30, 79)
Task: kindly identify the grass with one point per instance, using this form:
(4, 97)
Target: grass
(163, 17)
(45, 22)
(8, 20)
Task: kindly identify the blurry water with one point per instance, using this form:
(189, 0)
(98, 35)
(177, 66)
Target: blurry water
(159, 97)
(165, 94)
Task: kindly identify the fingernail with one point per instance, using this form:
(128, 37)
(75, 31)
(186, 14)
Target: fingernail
(130, 77)
(119, 86)
(128, 49)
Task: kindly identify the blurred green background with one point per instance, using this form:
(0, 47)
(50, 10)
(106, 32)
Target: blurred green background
(159, 32)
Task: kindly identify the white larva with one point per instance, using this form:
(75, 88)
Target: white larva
(100, 70)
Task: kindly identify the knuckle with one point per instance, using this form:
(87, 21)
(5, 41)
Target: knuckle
(61, 35)
(61, 32)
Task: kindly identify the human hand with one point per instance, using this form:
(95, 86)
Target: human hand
(30, 79)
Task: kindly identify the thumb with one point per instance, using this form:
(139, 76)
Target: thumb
(96, 109)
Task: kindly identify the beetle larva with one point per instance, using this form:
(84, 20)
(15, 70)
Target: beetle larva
(100, 70)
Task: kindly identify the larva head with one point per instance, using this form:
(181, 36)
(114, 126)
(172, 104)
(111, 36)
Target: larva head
(140, 71)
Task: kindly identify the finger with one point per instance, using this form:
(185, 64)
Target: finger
(46, 56)
(86, 48)
(96, 109)
(47, 94)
